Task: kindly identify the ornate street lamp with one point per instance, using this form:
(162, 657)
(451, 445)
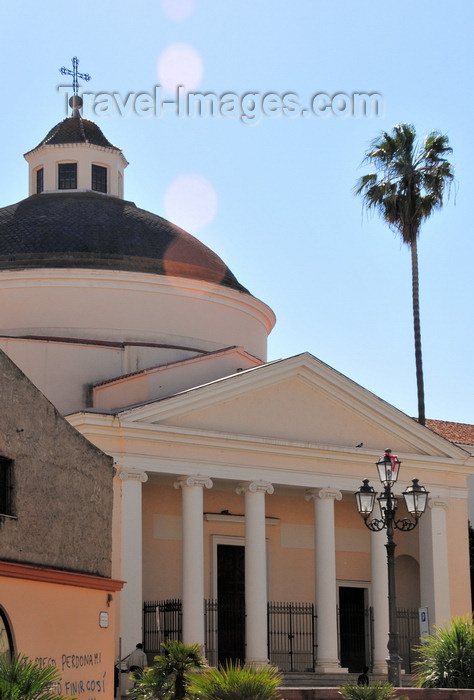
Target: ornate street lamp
(416, 497)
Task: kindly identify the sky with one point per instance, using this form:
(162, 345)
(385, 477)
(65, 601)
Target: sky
(267, 180)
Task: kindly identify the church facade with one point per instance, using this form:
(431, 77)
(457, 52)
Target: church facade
(234, 490)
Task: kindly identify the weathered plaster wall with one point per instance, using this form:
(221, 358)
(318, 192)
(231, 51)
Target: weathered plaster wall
(62, 484)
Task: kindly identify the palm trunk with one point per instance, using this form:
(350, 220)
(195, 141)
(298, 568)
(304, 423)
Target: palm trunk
(417, 331)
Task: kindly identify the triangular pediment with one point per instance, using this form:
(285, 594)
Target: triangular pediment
(299, 399)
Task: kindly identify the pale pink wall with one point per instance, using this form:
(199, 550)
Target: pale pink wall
(161, 557)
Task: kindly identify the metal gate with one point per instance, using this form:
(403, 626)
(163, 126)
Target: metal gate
(291, 636)
(408, 635)
(162, 621)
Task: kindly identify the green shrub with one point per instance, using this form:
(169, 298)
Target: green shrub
(235, 681)
(446, 658)
(376, 691)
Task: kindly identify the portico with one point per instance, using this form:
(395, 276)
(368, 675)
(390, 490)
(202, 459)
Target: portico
(288, 504)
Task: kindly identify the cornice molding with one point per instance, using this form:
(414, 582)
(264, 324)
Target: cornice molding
(95, 425)
(64, 578)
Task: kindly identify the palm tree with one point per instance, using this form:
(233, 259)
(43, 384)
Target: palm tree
(168, 676)
(22, 679)
(407, 187)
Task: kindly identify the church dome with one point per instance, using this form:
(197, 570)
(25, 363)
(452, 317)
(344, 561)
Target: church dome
(76, 130)
(90, 230)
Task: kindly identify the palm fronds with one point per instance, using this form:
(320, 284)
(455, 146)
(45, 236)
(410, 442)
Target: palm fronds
(235, 681)
(446, 658)
(376, 691)
(22, 679)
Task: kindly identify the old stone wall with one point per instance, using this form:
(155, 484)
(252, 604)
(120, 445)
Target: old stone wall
(62, 493)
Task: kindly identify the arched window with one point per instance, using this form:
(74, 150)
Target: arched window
(6, 639)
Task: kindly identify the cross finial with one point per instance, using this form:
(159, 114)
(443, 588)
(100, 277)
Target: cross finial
(75, 75)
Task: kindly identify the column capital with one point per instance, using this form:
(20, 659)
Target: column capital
(313, 494)
(255, 487)
(202, 481)
(438, 503)
(133, 475)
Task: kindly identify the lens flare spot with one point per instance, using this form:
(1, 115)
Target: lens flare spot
(191, 202)
(187, 257)
(180, 64)
(178, 10)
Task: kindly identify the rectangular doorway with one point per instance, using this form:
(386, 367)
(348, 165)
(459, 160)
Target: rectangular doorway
(231, 602)
(354, 628)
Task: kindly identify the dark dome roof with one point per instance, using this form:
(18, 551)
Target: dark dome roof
(90, 230)
(75, 130)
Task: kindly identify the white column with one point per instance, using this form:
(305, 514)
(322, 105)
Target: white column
(434, 572)
(325, 579)
(255, 571)
(132, 593)
(193, 557)
(379, 589)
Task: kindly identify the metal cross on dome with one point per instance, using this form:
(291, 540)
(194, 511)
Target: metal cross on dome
(75, 74)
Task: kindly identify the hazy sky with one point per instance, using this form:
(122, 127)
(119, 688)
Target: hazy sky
(272, 193)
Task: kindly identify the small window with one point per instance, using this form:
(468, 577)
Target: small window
(67, 176)
(99, 178)
(6, 487)
(39, 180)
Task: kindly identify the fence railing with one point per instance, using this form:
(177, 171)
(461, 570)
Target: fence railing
(408, 636)
(292, 644)
(292, 636)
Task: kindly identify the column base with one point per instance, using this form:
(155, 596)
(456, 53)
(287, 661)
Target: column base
(328, 666)
(380, 667)
(257, 662)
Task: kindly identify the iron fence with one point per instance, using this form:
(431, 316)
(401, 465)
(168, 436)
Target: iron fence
(408, 636)
(210, 629)
(162, 621)
(292, 644)
(291, 636)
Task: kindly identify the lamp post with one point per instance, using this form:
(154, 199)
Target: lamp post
(415, 497)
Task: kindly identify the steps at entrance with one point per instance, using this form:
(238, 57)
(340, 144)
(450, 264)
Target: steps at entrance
(325, 680)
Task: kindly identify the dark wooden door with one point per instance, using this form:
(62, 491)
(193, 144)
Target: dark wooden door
(353, 628)
(231, 602)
